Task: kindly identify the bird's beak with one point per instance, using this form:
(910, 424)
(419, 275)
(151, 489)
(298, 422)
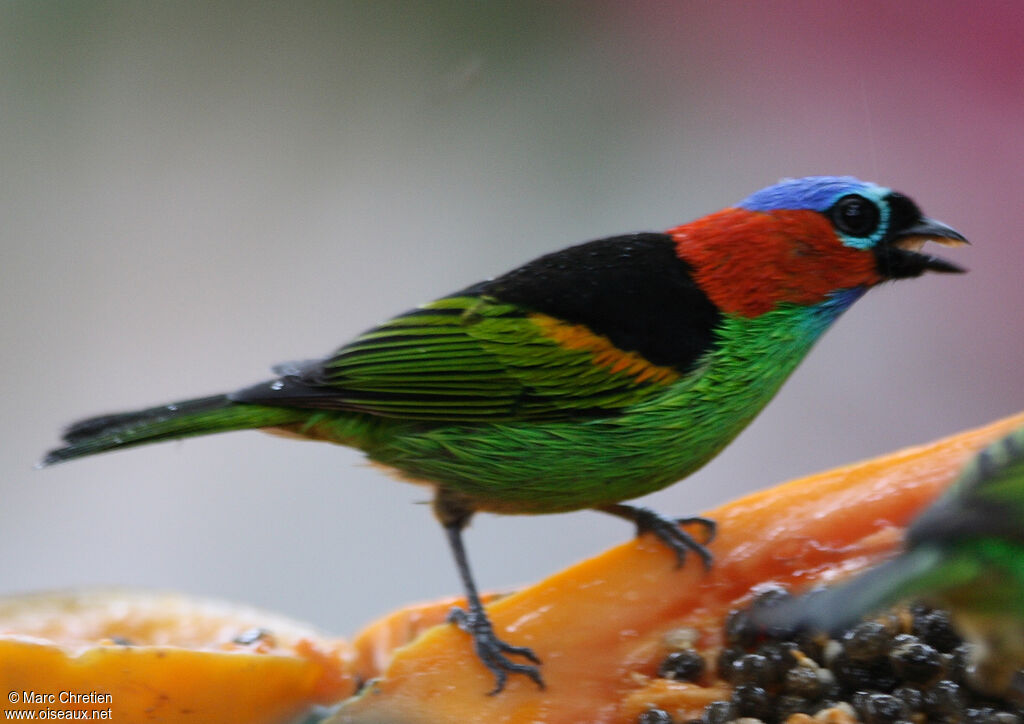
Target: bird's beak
(900, 256)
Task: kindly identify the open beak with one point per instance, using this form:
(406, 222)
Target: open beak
(900, 257)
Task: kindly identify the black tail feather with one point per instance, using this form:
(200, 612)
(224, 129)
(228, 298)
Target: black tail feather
(103, 424)
(201, 416)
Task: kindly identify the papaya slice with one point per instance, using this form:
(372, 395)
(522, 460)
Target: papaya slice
(603, 626)
(136, 656)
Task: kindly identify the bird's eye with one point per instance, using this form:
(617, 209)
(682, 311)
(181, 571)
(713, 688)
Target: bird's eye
(855, 215)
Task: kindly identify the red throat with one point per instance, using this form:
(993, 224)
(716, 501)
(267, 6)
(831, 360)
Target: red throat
(749, 262)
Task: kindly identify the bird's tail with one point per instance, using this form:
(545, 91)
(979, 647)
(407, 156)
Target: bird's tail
(201, 416)
(836, 608)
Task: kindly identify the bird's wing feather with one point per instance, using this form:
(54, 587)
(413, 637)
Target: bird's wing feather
(838, 607)
(984, 500)
(470, 357)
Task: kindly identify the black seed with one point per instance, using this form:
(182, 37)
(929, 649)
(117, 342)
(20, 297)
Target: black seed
(766, 598)
(944, 701)
(654, 716)
(917, 662)
(812, 644)
(751, 669)
(780, 659)
(685, 665)
(936, 629)
(879, 708)
(833, 691)
(957, 663)
(886, 675)
(892, 620)
(920, 608)
(980, 715)
(770, 595)
(724, 665)
(903, 639)
(866, 641)
(719, 712)
(803, 681)
(910, 696)
(859, 701)
(751, 700)
(788, 705)
(740, 629)
(873, 676)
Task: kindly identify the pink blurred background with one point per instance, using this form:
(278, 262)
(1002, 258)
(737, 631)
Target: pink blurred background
(191, 193)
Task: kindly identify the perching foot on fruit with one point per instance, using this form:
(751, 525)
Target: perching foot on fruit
(667, 530)
(492, 650)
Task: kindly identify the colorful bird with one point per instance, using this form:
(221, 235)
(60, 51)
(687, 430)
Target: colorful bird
(964, 553)
(589, 376)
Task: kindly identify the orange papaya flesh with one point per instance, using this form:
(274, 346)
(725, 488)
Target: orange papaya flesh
(138, 656)
(374, 645)
(603, 626)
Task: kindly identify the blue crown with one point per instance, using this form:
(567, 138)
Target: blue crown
(816, 193)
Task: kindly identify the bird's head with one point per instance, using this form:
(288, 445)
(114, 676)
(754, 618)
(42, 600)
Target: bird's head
(803, 240)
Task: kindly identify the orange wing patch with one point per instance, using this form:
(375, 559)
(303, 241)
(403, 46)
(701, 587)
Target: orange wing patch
(603, 352)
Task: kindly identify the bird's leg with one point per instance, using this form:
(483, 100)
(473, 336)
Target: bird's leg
(473, 619)
(667, 530)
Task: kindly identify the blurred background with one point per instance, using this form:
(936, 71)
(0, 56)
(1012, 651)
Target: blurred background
(193, 191)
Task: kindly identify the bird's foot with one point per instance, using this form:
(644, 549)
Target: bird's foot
(668, 531)
(491, 650)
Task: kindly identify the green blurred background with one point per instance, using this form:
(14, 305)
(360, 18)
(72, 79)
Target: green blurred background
(193, 191)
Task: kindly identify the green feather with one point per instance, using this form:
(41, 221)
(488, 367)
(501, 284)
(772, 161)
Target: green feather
(168, 422)
(651, 435)
(479, 361)
(472, 395)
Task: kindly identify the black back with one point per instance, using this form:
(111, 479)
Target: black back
(633, 289)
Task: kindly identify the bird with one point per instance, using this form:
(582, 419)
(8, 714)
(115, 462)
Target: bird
(964, 553)
(584, 378)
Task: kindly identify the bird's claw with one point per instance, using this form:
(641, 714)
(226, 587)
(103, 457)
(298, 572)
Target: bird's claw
(491, 650)
(667, 530)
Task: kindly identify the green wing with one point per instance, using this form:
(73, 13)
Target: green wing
(986, 500)
(993, 482)
(466, 358)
